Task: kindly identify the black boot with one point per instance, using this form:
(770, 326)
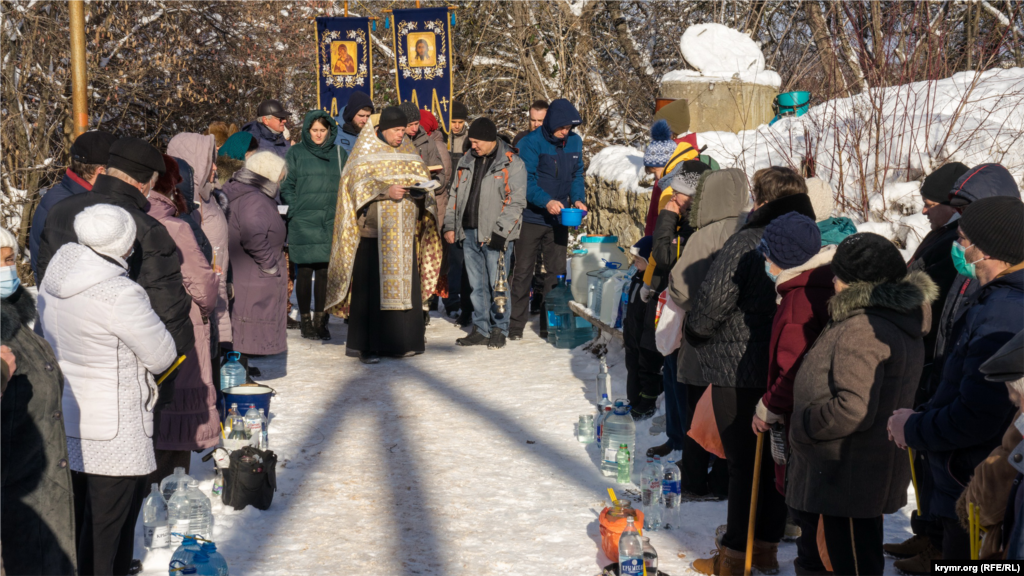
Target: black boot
(292, 324)
(320, 326)
(497, 339)
(306, 327)
(475, 338)
(660, 451)
(369, 358)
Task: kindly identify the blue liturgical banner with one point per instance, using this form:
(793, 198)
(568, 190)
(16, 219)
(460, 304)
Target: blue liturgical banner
(344, 58)
(423, 60)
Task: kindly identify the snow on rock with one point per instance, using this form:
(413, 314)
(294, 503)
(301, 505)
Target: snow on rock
(876, 146)
(621, 164)
(720, 54)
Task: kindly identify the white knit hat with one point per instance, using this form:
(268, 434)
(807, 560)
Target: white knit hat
(8, 240)
(821, 198)
(107, 229)
(266, 164)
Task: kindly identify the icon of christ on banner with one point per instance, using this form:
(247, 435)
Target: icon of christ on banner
(422, 51)
(343, 62)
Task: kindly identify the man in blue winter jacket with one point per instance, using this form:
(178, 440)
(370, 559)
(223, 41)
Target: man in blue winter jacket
(553, 156)
(968, 414)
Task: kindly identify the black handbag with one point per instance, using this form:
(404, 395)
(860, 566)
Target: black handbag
(250, 479)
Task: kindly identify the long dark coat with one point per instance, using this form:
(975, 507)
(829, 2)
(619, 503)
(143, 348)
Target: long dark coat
(37, 525)
(259, 274)
(863, 366)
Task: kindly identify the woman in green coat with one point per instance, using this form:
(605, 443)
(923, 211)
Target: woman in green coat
(311, 192)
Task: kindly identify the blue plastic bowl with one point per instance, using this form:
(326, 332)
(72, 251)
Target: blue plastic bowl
(572, 216)
(245, 396)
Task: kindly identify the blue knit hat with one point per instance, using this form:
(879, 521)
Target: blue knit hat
(659, 151)
(790, 240)
(643, 247)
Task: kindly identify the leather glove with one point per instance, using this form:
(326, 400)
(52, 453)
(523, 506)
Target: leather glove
(497, 242)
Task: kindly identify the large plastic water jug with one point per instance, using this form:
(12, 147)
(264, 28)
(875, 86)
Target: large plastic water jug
(596, 251)
(565, 329)
(617, 429)
(232, 373)
(611, 296)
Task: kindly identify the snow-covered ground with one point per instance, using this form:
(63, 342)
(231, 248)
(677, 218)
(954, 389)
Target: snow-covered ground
(458, 461)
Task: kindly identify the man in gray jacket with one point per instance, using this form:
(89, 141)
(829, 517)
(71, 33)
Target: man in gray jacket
(484, 212)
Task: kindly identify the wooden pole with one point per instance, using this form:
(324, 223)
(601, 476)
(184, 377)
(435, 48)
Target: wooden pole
(346, 8)
(79, 80)
(749, 560)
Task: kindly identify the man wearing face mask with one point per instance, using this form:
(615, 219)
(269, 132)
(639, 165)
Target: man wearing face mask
(132, 169)
(966, 418)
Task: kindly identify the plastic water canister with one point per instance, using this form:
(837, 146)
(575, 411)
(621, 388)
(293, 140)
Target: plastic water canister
(596, 251)
(232, 373)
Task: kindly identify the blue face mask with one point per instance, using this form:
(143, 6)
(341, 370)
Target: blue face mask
(9, 281)
(960, 262)
(768, 271)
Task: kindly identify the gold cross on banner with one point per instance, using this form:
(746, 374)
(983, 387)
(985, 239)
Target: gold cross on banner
(444, 103)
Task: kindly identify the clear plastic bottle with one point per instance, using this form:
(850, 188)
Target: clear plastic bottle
(229, 420)
(216, 559)
(599, 424)
(619, 428)
(253, 424)
(650, 490)
(604, 382)
(154, 520)
(183, 555)
(264, 431)
(672, 492)
(237, 427)
(631, 551)
(650, 558)
(200, 517)
(232, 373)
(179, 510)
(218, 484)
(171, 484)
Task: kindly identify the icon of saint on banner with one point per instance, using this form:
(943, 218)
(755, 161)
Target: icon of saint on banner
(422, 50)
(343, 58)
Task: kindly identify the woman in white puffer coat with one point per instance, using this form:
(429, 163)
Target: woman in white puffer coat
(109, 343)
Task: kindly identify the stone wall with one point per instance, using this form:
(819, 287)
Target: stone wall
(615, 211)
(730, 106)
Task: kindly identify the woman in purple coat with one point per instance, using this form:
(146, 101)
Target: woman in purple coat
(256, 247)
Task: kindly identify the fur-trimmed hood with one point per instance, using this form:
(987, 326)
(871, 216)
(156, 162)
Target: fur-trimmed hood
(17, 310)
(907, 297)
(226, 167)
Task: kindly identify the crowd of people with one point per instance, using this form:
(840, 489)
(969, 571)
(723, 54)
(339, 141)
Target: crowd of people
(151, 266)
(842, 355)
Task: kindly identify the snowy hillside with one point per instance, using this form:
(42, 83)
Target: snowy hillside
(874, 148)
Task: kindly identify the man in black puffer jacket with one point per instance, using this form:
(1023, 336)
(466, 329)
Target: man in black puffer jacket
(131, 172)
(730, 326)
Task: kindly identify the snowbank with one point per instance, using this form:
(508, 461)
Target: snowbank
(721, 54)
(620, 164)
(874, 148)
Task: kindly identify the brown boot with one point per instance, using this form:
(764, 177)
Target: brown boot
(920, 564)
(908, 548)
(723, 562)
(765, 557)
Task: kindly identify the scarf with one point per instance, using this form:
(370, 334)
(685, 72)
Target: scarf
(404, 232)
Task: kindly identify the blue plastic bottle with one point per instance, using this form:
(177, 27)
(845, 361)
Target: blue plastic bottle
(217, 560)
(183, 555)
(232, 373)
(202, 564)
